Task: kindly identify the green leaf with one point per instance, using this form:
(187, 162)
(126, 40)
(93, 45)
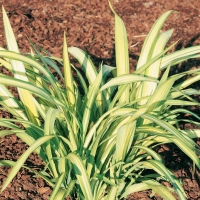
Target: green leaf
(92, 94)
(160, 189)
(112, 193)
(195, 133)
(125, 79)
(160, 94)
(150, 152)
(150, 41)
(85, 62)
(81, 175)
(31, 88)
(35, 64)
(125, 135)
(12, 104)
(19, 71)
(49, 130)
(68, 74)
(180, 56)
(121, 52)
(190, 143)
(135, 188)
(163, 171)
(148, 88)
(57, 192)
(23, 158)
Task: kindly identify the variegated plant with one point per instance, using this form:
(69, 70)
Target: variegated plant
(98, 145)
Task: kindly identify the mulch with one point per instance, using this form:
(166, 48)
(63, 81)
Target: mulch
(90, 26)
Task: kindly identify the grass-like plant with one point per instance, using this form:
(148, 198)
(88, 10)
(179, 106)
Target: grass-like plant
(98, 139)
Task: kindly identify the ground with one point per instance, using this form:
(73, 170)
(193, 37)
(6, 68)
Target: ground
(90, 26)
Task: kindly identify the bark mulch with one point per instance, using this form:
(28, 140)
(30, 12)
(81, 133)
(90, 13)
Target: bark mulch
(90, 26)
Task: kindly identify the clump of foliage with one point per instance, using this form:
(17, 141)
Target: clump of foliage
(98, 143)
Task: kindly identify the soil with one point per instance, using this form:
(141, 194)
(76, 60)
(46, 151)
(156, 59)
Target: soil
(90, 26)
